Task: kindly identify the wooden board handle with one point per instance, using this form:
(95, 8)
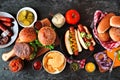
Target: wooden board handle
(6, 56)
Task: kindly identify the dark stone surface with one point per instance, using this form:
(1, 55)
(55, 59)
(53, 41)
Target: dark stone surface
(45, 8)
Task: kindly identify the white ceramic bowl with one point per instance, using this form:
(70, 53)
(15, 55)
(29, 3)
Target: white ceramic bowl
(31, 10)
(14, 29)
(49, 60)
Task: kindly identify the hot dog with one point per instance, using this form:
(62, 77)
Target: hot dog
(71, 42)
(5, 19)
(5, 30)
(85, 38)
(7, 24)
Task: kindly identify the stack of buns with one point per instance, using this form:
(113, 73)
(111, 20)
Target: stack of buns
(109, 28)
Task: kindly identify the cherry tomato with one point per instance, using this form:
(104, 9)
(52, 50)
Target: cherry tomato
(37, 65)
(72, 16)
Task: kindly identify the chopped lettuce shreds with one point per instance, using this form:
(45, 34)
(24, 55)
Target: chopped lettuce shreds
(47, 46)
(37, 31)
(38, 43)
(34, 46)
(32, 56)
(50, 47)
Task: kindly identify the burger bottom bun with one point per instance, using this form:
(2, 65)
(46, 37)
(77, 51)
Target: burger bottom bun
(27, 35)
(114, 33)
(46, 35)
(104, 36)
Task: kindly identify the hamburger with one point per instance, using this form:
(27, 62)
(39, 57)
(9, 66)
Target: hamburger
(23, 50)
(46, 36)
(27, 35)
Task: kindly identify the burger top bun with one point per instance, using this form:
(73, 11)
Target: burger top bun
(27, 35)
(115, 21)
(46, 36)
(104, 24)
(114, 33)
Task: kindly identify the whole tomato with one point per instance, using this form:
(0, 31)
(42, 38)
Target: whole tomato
(72, 16)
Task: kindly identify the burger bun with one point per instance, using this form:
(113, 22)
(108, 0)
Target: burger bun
(115, 21)
(114, 33)
(46, 35)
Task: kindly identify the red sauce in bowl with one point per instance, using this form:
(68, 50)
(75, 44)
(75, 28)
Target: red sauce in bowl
(37, 65)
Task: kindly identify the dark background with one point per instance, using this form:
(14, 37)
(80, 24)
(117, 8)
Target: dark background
(46, 8)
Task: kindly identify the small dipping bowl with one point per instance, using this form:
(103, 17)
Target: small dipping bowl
(37, 65)
(26, 17)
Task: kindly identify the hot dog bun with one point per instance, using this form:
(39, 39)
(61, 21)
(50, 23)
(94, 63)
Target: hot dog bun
(114, 33)
(92, 40)
(82, 41)
(115, 21)
(104, 24)
(68, 43)
(104, 36)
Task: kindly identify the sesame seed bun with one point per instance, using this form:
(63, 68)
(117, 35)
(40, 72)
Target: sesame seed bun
(46, 35)
(27, 35)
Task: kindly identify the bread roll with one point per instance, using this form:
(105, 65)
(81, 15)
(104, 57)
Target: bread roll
(27, 35)
(104, 24)
(114, 33)
(115, 21)
(104, 36)
(46, 36)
